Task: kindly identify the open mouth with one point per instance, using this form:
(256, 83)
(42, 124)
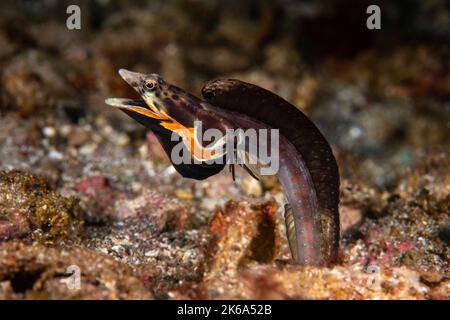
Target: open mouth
(137, 106)
(132, 78)
(125, 103)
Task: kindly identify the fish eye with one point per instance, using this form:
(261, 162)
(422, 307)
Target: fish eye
(208, 94)
(151, 85)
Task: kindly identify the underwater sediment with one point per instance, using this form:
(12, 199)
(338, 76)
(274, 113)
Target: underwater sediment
(80, 185)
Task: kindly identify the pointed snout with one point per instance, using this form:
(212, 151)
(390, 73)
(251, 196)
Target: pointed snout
(131, 77)
(134, 79)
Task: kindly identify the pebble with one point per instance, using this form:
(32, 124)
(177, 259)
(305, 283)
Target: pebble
(118, 248)
(122, 140)
(251, 187)
(88, 149)
(55, 155)
(152, 253)
(184, 195)
(49, 132)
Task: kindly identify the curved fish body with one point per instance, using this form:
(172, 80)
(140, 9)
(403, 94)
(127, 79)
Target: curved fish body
(307, 171)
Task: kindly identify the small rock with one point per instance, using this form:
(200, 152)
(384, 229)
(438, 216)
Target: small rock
(251, 186)
(184, 195)
(49, 132)
(152, 253)
(350, 217)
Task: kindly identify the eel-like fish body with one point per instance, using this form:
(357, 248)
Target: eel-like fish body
(307, 171)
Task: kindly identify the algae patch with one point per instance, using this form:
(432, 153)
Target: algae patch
(29, 207)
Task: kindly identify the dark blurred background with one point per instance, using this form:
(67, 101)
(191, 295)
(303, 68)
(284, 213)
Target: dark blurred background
(380, 96)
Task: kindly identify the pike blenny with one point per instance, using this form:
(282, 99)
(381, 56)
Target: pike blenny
(308, 171)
